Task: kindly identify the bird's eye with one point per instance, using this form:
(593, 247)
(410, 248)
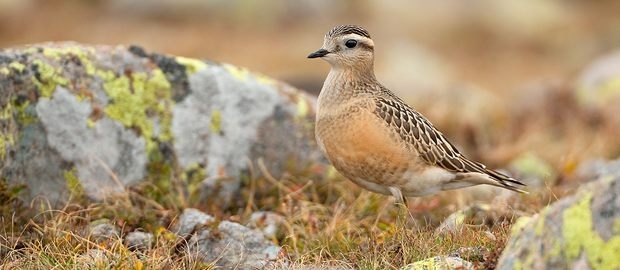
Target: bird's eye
(351, 43)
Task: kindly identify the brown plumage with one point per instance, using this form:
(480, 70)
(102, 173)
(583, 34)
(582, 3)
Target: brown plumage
(378, 141)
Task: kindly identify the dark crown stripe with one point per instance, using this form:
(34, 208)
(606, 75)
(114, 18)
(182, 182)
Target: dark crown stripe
(348, 29)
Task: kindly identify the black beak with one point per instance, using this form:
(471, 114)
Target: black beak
(319, 53)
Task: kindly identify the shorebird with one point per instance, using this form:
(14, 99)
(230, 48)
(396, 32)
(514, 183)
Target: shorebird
(375, 139)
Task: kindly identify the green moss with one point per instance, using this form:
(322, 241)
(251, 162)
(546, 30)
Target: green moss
(49, 77)
(73, 183)
(580, 236)
(216, 121)
(136, 98)
(191, 65)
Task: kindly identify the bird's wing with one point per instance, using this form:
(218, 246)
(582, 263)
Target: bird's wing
(431, 145)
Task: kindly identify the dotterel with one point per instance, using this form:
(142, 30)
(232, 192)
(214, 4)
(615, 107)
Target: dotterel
(378, 141)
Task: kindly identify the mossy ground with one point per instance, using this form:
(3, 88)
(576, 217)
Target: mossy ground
(328, 221)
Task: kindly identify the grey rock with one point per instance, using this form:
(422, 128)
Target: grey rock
(597, 85)
(233, 245)
(576, 232)
(96, 259)
(597, 168)
(103, 230)
(267, 222)
(92, 121)
(189, 220)
(64, 119)
(471, 254)
(139, 240)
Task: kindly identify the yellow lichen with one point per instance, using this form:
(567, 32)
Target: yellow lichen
(57, 53)
(5, 71)
(600, 95)
(6, 140)
(263, 79)
(49, 77)
(90, 123)
(216, 121)
(302, 107)
(73, 183)
(7, 111)
(580, 236)
(519, 225)
(237, 72)
(24, 116)
(191, 65)
(19, 67)
(137, 97)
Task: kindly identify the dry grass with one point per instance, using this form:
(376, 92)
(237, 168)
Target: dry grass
(328, 221)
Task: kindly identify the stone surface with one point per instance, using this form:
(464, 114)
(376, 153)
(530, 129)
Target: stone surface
(440, 263)
(189, 220)
(91, 121)
(577, 232)
(599, 83)
(233, 245)
(267, 222)
(139, 240)
(103, 230)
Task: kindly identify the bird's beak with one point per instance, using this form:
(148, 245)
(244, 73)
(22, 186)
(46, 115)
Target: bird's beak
(319, 53)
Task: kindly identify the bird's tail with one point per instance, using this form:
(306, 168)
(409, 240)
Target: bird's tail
(505, 181)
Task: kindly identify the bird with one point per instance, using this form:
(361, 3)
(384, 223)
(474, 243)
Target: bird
(375, 139)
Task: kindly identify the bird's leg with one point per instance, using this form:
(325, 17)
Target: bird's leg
(398, 195)
(401, 203)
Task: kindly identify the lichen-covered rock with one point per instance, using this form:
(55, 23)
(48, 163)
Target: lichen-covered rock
(81, 120)
(440, 263)
(578, 232)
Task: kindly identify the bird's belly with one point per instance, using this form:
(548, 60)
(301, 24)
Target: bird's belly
(370, 154)
(365, 151)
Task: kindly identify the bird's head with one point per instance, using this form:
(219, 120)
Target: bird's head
(347, 46)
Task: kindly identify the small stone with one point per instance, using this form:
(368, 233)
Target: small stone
(102, 230)
(189, 220)
(267, 222)
(233, 245)
(472, 254)
(440, 262)
(94, 259)
(139, 240)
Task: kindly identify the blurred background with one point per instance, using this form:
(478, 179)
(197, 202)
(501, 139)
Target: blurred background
(509, 81)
